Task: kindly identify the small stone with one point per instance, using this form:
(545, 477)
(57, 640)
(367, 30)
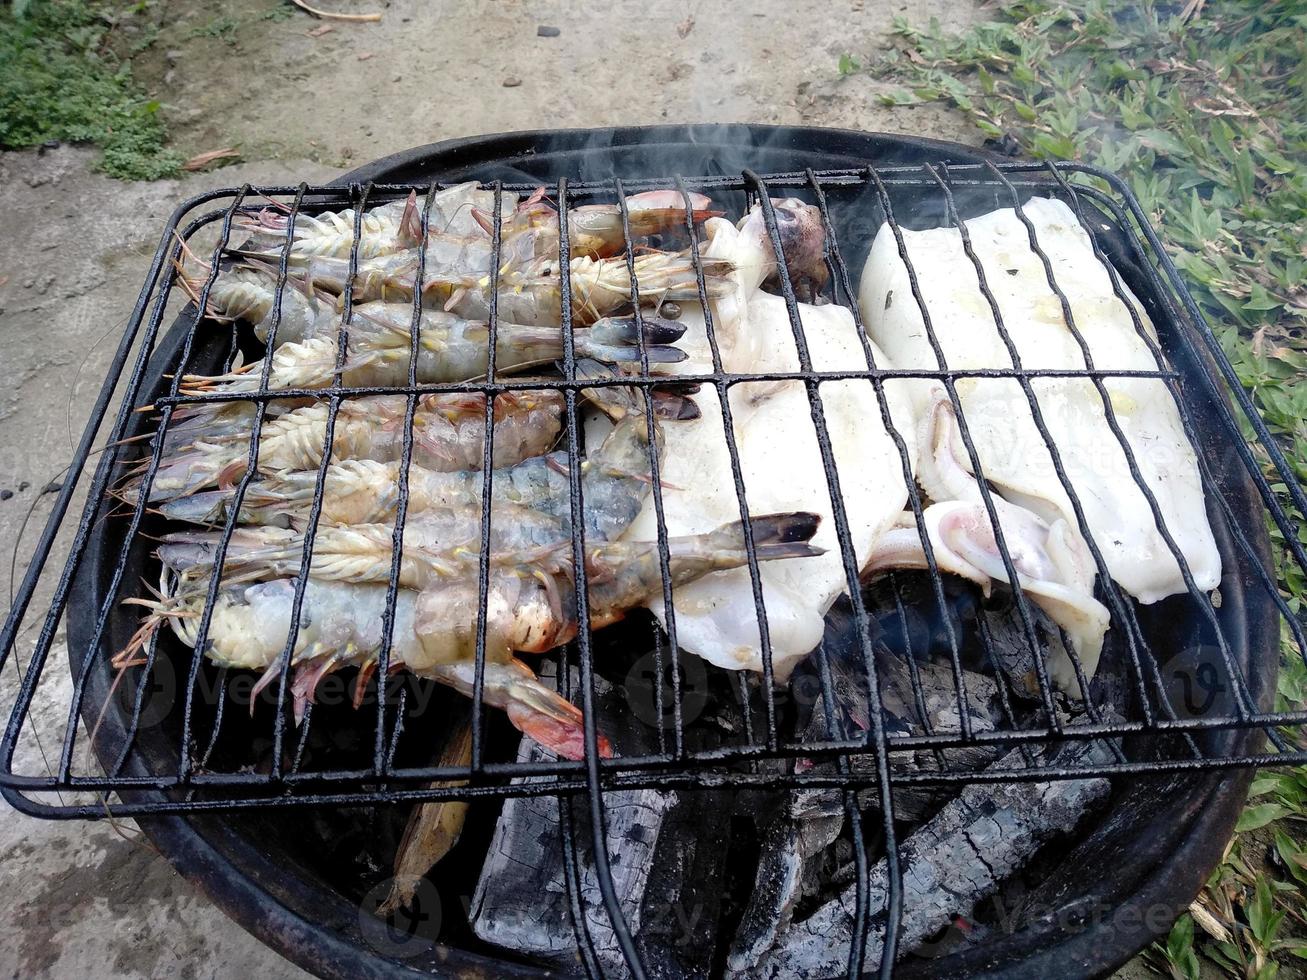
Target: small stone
(398, 78)
(6, 494)
(512, 82)
(29, 283)
(546, 31)
(36, 180)
(173, 56)
(54, 486)
(670, 310)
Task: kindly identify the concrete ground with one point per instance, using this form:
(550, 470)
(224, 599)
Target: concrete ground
(93, 899)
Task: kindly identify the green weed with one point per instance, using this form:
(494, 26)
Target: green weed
(60, 80)
(1202, 108)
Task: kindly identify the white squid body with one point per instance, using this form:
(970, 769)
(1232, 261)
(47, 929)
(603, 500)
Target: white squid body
(779, 461)
(1013, 456)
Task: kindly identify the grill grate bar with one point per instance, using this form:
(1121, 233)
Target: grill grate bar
(598, 824)
(765, 755)
(729, 379)
(477, 720)
(1122, 611)
(851, 570)
(721, 388)
(628, 768)
(380, 753)
(655, 488)
(1018, 593)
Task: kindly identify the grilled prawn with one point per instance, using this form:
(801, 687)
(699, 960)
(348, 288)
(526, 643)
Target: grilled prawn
(343, 625)
(614, 478)
(449, 349)
(448, 434)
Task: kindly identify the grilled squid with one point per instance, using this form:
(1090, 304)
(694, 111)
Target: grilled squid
(1014, 456)
(780, 462)
(1053, 564)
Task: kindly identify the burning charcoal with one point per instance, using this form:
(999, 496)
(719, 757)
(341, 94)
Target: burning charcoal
(902, 712)
(669, 852)
(798, 834)
(987, 833)
(916, 698)
(684, 893)
(521, 901)
(811, 822)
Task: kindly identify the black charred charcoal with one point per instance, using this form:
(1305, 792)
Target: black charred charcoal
(522, 901)
(979, 839)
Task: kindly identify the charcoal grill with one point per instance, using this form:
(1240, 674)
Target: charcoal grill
(282, 824)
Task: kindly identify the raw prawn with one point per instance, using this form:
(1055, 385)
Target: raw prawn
(248, 292)
(614, 477)
(595, 230)
(386, 228)
(528, 294)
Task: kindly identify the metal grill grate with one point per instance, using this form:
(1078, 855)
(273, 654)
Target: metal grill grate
(188, 774)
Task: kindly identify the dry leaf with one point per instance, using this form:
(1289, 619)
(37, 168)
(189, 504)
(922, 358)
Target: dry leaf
(365, 55)
(1259, 339)
(1208, 922)
(684, 28)
(433, 828)
(319, 31)
(913, 56)
(202, 160)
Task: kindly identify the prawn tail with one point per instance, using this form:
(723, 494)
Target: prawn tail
(616, 339)
(775, 536)
(536, 710)
(214, 506)
(674, 406)
(248, 549)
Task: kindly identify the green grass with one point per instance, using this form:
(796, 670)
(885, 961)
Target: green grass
(1202, 107)
(61, 80)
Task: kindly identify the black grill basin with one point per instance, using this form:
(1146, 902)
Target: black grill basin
(295, 878)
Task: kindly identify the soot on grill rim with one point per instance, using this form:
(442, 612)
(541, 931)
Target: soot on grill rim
(747, 740)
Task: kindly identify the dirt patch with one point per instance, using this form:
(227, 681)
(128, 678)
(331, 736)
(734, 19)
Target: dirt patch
(249, 74)
(252, 78)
